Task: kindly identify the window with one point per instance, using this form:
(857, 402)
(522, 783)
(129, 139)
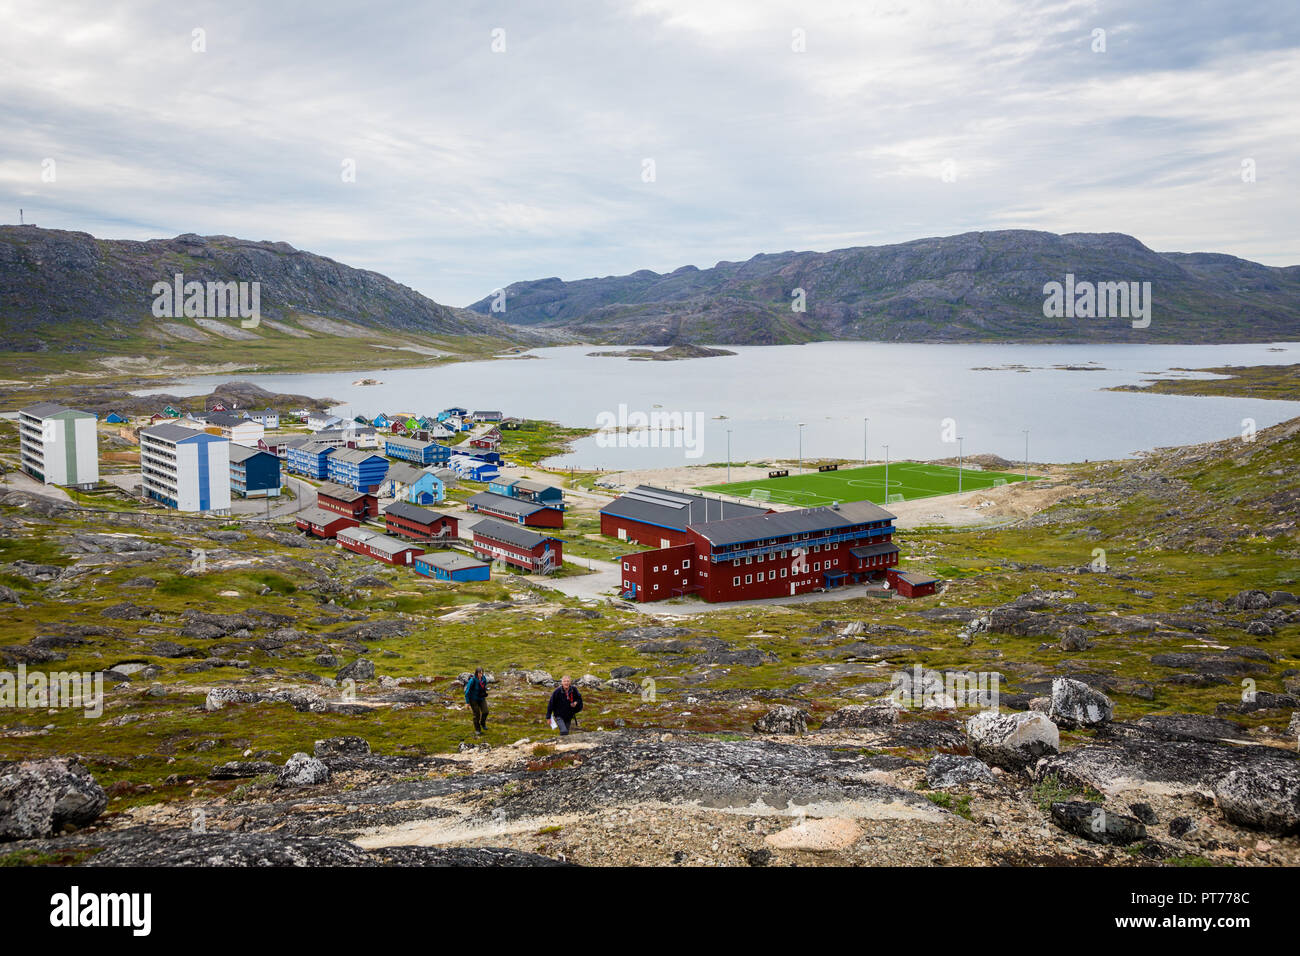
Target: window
(686, 562)
(749, 579)
(749, 560)
(783, 572)
(817, 566)
(625, 566)
(735, 582)
(656, 587)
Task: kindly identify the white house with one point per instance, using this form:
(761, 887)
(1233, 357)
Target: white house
(319, 421)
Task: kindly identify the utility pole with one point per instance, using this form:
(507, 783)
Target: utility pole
(1026, 431)
(801, 424)
(886, 499)
(728, 456)
(959, 441)
(864, 441)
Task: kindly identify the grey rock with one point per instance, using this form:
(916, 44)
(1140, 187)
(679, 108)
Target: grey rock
(952, 770)
(342, 747)
(784, 719)
(1094, 822)
(1012, 741)
(360, 669)
(39, 798)
(862, 715)
(1262, 797)
(302, 770)
(1075, 704)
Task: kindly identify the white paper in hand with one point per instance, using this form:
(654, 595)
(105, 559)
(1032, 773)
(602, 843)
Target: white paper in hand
(553, 724)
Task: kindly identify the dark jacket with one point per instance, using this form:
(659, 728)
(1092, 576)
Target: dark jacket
(475, 689)
(562, 706)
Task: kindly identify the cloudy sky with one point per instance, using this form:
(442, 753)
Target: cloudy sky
(600, 138)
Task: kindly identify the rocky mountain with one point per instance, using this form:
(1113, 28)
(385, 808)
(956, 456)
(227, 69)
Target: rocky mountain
(978, 286)
(70, 290)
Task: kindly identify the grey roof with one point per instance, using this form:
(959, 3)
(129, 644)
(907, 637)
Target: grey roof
(505, 504)
(295, 441)
(332, 489)
(313, 447)
(873, 550)
(451, 561)
(49, 410)
(674, 509)
(245, 452)
(320, 516)
(510, 533)
(915, 578)
(529, 485)
(357, 455)
(403, 509)
(404, 472)
(176, 433)
(380, 542)
(786, 523)
(407, 442)
(224, 418)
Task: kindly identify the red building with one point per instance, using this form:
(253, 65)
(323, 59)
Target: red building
(495, 540)
(419, 524)
(767, 555)
(346, 501)
(322, 523)
(653, 516)
(530, 514)
(372, 544)
(911, 584)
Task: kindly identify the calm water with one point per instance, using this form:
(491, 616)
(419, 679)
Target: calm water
(992, 392)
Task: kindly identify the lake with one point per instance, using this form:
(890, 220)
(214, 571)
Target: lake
(908, 391)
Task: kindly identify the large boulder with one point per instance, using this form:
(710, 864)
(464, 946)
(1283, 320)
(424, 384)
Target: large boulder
(360, 669)
(39, 798)
(303, 771)
(862, 715)
(1012, 741)
(952, 770)
(783, 720)
(342, 747)
(1075, 704)
(218, 697)
(1094, 822)
(1262, 797)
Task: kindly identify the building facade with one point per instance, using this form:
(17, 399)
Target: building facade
(516, 546)
(358, 469)
(527, 513)
(451, 566)
(381, 547)
(767, 556)
(419, 524)
(185, 469)
(58, 445)
(254, 473)
(658, 517)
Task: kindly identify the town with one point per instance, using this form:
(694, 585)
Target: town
(434, 493)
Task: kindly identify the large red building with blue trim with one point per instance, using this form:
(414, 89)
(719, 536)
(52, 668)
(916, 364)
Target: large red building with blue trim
(769, 555)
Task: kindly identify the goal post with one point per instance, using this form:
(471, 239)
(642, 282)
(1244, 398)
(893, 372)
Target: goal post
(894, 499)
(761, 494)
(998, 482)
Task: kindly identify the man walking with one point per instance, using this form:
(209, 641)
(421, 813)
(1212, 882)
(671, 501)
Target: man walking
(476, 697)
(564, 706)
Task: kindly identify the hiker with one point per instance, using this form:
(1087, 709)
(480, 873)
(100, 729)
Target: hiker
(476, 697)
(564, 706)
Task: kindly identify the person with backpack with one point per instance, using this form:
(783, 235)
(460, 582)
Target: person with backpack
(564, 706)
(476, 696)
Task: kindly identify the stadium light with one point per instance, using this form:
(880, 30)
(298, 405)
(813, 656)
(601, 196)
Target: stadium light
(801, 424)
(886, 500)
(959, 441)
(728, 456)
(1026, 431)
(864, 441)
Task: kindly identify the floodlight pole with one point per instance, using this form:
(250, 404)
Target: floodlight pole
(728, 456)
(1026, 431)
(801, 424)
(886, 501)
(864, 441)
(959, 441)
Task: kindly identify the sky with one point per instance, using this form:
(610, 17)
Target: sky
(458, 147)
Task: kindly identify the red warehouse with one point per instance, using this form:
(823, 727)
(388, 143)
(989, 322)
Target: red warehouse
(767, 555)
(495, 540)
(419, 524)
(531, 514)
(653, 516)
(346, 501)
(379, 546)
(323, 524)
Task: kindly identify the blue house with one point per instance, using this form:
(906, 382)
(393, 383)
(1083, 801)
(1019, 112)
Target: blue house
(428, 489)
(254, 473)
(526, 490)
(114, 418)
(382, 421)
(452, 566)
(357, 469)
(415, 450)
(310, 459)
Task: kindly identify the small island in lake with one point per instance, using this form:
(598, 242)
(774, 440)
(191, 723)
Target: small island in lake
(673, 353)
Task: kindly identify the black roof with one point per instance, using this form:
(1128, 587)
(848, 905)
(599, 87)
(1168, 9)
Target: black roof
(674, 509)
(505, 504)
(873, 550)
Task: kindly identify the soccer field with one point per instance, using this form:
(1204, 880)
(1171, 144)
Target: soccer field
(907, 479)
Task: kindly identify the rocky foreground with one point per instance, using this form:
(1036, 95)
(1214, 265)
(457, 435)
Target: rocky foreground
(873, 785)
